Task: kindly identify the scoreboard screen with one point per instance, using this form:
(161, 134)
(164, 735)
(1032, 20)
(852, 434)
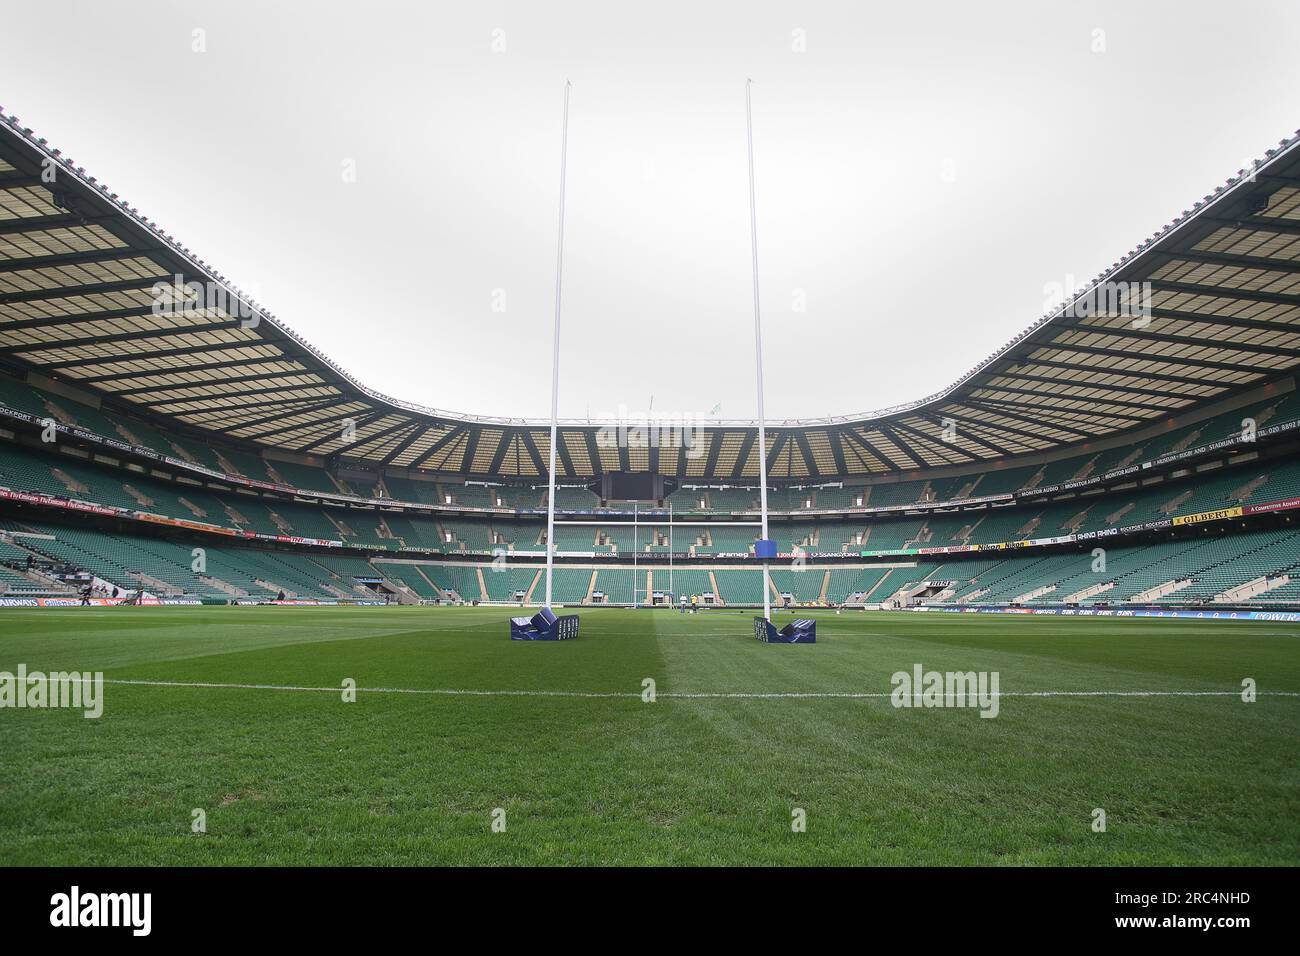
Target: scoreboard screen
(634, 486)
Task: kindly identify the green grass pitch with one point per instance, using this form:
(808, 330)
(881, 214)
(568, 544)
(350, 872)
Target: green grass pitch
(301, 777)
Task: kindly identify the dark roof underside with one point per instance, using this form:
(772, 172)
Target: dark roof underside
(80, 274)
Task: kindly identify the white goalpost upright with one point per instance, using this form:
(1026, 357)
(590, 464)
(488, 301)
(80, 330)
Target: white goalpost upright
(758, 346)
(555, 353)
(555, 372)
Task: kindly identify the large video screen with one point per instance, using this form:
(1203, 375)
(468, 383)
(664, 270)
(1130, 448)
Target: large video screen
(634, 486)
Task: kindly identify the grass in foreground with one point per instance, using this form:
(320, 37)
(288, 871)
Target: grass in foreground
(300, 777)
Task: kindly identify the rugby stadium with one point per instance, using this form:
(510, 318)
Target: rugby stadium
(299, 591)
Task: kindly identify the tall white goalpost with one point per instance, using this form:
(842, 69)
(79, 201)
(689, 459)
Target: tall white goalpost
(555, 360)
(758, 347)
(555, 354)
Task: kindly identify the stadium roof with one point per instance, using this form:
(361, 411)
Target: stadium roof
(94, 294)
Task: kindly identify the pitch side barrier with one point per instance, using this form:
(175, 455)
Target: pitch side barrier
(68, 601)
(1289, 617)
(192, 468)
(803, 630)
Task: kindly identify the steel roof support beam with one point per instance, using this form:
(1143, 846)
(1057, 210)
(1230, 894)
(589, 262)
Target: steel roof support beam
(110, 339)
(1232, 259)
(888, 432)
(1128, 373)
(1228, 344)
(503, 446)
(161, 353)
(54, 221)
(80, 318)
(438, 445)
(281, 411)
(531, 447)
(361, 441)
(862, 443)
(938, 446)
(90, 288)
(58, 259)
(1059, 394)
(1161, 359)
(1064, 412)
(471, 448)
(837, 451)
(566, 459)
(417, 431)
(187, 369)
(231, 380)
(805, 449)
(365, 419)
(746, 446)
(1036, 338)
(248, 392)
(1030, 437)
(997, 450)
(1226, 321)
(996, 410)
(1079, 383)
(1256, 223)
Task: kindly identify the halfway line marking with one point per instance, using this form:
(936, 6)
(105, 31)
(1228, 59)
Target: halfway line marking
(684, 695)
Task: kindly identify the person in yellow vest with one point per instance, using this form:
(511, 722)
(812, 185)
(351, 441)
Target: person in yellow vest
(695, 600)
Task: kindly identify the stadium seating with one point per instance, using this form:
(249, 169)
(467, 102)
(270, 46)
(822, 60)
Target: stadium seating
(1248, 565)
(1186, 571)
(417, 532)
(306, 477)
(617, 584)
(571, 499)
(464, 581)
(573, 537)
(740, 587)
(682, 581)
(568, 585)
(409, 489)
(896, 493)
(805, 586)
(409, 576)
(732, 539)
(504, 582)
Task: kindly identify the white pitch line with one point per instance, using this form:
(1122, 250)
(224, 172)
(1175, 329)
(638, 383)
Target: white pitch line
(685, 695)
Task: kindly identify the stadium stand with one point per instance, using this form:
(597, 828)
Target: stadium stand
(503, 582)
(804, 585)
(739, 587)
(1176, 453)
(569, 585)
(617, 584)
(409, 577)
(683, 581)
(461, 580)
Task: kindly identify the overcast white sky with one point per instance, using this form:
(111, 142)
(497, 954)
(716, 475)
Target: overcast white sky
(924, 171)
